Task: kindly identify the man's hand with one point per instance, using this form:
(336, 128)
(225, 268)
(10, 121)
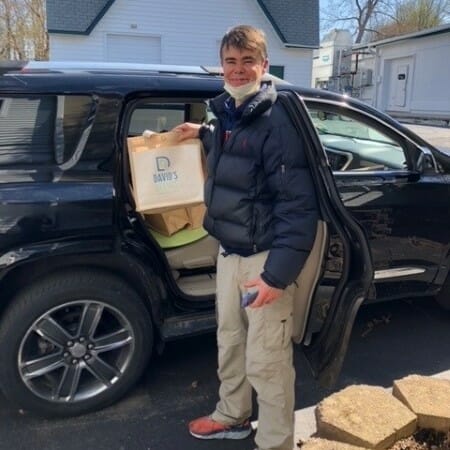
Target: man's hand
(266, 294)
(187, 130)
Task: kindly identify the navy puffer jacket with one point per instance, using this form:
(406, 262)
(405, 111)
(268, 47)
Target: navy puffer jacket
(259, 192)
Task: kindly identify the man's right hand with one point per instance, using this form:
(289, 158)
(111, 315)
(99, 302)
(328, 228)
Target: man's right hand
(187, 130)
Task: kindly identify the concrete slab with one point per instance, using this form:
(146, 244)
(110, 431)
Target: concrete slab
(365, 416)
(325, 444)
(428, 398)
(305, 424)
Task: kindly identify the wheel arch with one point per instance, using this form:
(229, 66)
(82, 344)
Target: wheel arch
(124, 266)
(64, 301)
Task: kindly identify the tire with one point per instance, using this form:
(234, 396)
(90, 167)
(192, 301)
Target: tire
(443, 297)
(73, 343)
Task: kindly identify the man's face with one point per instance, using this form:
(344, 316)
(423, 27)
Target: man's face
(242, 66)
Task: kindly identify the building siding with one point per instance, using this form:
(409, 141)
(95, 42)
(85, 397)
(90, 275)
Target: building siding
(190, 34)
(427, 90)
(428, 93)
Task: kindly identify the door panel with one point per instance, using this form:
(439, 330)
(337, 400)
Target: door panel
(400, 85)
(354, 273)
(55, 168)
(399, 79)
(402, 212)
(403, 216)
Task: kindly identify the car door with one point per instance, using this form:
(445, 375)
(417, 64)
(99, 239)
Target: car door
(326, 349)
(404, 212)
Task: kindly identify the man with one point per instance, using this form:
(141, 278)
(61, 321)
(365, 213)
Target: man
(262, 208)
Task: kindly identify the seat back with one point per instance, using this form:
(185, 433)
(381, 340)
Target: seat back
(202, 253)
(307, 281)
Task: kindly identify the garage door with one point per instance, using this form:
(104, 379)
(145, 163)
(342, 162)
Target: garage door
(138, 49)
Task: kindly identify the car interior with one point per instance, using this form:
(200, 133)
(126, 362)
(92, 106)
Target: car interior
(191, 254)
(354, 145)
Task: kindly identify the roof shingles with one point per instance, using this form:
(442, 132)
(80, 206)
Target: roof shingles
(296, 22)
(75, 17)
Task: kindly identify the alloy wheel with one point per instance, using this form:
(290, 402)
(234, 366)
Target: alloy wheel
(75, 351)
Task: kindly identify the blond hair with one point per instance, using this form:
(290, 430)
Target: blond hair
(245, 37)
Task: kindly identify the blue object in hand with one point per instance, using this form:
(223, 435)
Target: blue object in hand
(248, 298)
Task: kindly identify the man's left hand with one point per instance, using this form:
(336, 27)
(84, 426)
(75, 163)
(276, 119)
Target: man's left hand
(266, 294)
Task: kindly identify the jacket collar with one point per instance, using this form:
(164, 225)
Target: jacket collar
(256, 106)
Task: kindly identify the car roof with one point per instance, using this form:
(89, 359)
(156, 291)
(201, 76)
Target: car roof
(123, 79)
(129, 79)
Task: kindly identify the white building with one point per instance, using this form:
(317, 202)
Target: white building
(406, 76)
(409, 75)
(182, 32)
(328, 60)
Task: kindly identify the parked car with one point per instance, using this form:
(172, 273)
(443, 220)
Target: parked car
(88, 291)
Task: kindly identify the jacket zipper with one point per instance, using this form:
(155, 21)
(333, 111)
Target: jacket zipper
(282, 176)
(254, 225)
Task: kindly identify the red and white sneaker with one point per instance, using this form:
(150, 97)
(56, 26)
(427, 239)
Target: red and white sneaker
(207, 428)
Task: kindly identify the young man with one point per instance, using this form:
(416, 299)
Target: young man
(261, 206)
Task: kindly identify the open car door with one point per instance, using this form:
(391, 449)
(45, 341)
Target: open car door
(325, 349)
(189, 269)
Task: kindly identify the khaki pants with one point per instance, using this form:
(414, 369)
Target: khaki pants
(255, 350)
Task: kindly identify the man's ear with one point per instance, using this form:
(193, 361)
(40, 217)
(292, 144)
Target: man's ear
(266, 65)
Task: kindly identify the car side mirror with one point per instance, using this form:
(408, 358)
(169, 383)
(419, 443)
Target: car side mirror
(426, 162)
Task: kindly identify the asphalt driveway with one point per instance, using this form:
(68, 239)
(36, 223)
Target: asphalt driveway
(389, 341)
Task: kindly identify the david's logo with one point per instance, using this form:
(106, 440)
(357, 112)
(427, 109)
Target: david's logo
(162, 163)
(163, 175)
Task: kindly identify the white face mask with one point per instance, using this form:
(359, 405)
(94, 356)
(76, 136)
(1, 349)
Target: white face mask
(240, 93)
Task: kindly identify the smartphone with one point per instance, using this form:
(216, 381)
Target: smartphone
(248, 298)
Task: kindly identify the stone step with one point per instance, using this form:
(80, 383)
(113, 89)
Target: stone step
(428, 398)
(365, 416)
(325, 444)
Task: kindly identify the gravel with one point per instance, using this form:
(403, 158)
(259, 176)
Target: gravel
(424, 440)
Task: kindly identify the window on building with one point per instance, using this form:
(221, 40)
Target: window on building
(278, 71)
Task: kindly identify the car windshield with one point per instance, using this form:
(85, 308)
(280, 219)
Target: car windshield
(338, 125)
(359, 145)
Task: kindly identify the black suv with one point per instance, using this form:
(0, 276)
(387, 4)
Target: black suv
(87, 289)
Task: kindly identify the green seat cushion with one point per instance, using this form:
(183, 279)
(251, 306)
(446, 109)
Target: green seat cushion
(180, 238)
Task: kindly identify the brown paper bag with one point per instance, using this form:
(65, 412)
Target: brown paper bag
(165, 174)
(196, 215)
(168, 222)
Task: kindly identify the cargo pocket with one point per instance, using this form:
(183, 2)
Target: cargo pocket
(278, 326)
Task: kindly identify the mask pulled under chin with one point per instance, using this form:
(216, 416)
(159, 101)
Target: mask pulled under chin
(241, 93)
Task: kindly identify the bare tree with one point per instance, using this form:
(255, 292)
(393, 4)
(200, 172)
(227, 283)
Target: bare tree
(365, 18)
(414, 15)
(359, 16)
(23, 33)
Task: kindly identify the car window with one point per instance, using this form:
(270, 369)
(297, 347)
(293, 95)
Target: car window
(41, 130)
(160, 117)
(353, 144)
